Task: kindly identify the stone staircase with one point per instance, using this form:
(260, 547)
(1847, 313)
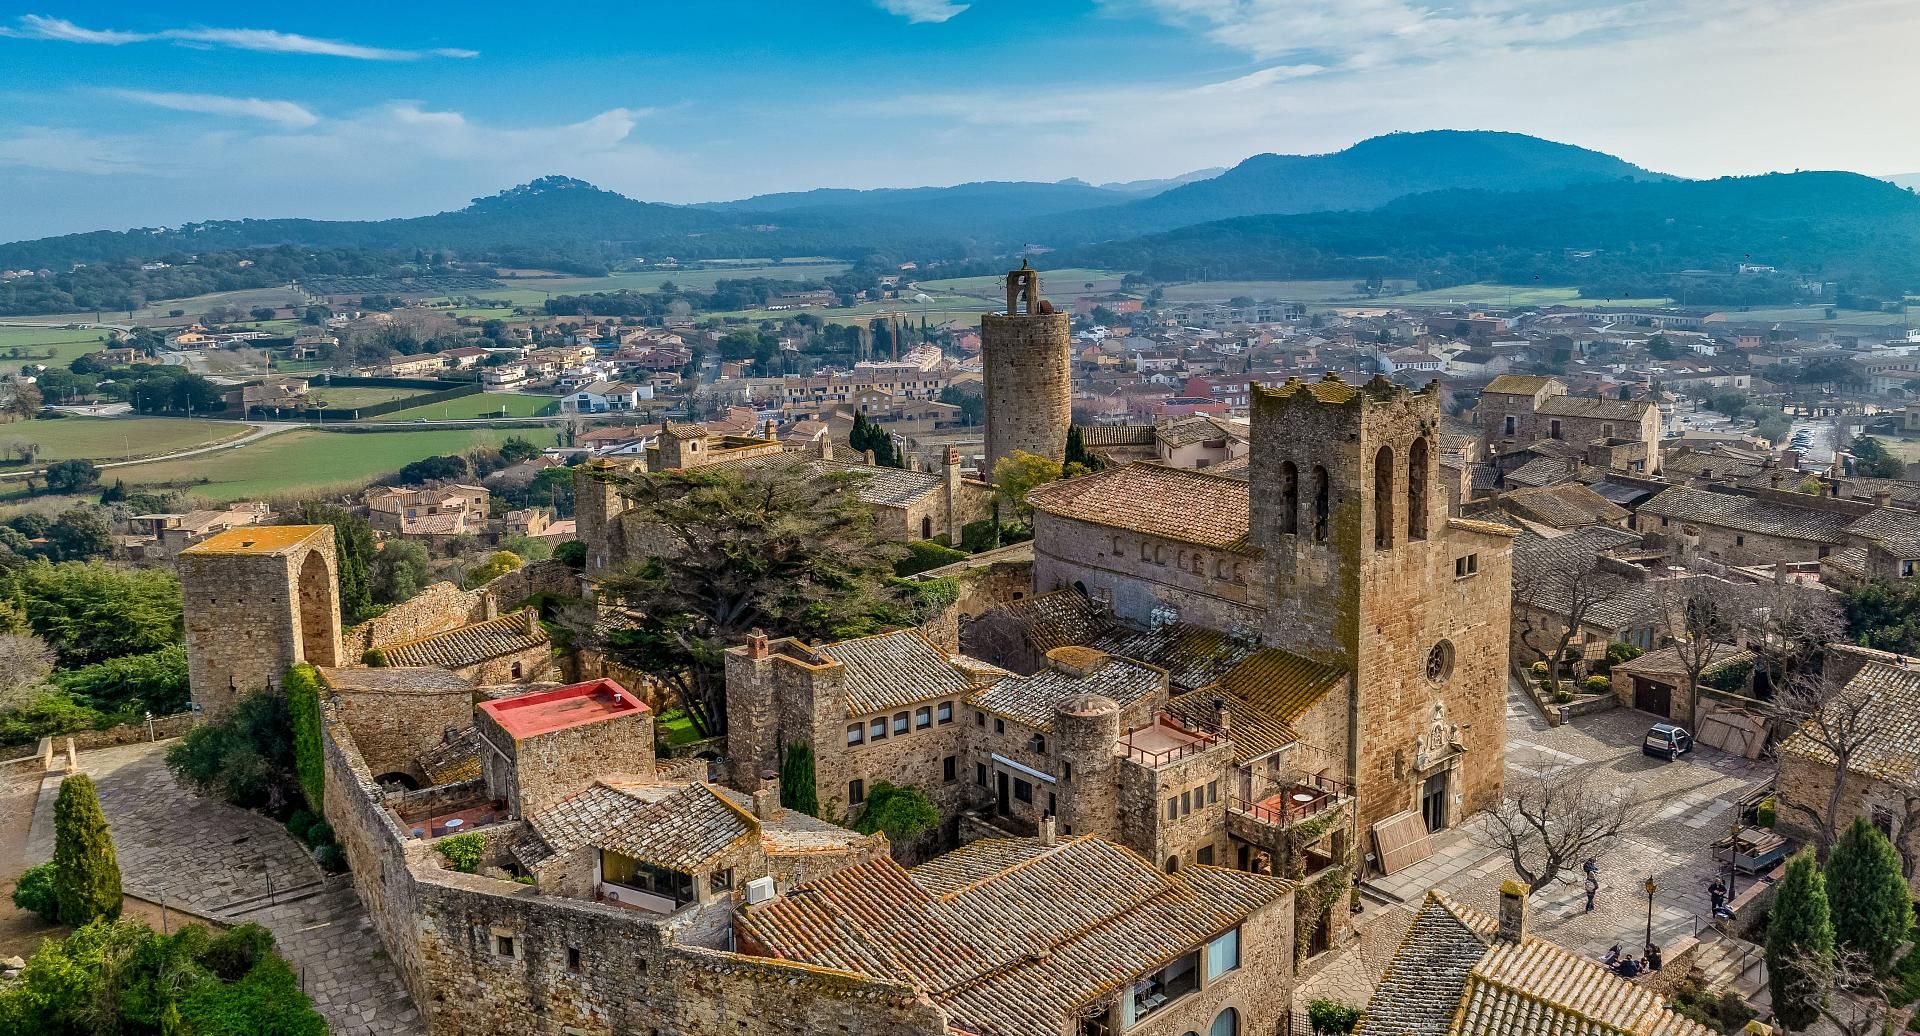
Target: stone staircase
(1725, 962)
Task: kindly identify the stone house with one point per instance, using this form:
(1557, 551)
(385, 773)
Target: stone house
(435, 513)
(1743, 530)
(1882, 778)
(1656, 682)
(1516, 410)
(1459, 972)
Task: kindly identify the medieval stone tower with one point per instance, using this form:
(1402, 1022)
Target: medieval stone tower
(1364, 569)
(1027, 356)
(258, 599)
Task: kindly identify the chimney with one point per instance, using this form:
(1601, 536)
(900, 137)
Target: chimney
(1882, 498)
(1780, 572)
(529, 621)
(768, 434)
(1773, 480)
(757, 644)
(1513, 912)
(766, 799)
(1222, 716)
(1049, 830)
(869, 458)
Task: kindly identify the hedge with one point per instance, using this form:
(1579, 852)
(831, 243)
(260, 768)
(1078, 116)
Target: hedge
(302, 684)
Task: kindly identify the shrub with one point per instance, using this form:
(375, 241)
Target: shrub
(374, 658)
(321, 833)
(1764, 813)
(798, 790)
(267, 1000)
(302, 684)
(572, 554)
(245, 758)
(330, 858)
(50, 714)
(1872, 908)
(300, 822)
(1332, 1017)
(924, 555)
(1539, 668)
(463, 851)
(902, 813)
(1562, 696)
(35, 893)
(234, 952)
(1599, 685)
(86, 876)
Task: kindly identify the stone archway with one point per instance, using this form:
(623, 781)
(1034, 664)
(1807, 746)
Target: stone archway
(319, 604)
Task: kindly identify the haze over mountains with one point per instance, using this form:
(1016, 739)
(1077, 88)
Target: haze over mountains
(1442, 205)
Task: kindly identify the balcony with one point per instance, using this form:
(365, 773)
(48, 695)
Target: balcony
(1294, 801)
(1167, 739)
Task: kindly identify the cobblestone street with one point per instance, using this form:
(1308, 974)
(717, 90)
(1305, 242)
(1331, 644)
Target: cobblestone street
(1685, 806)
(187, 851)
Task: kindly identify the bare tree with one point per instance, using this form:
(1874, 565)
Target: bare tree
(1844, 988)
(1833, 722)
(1559, 600)
(1550, 823)
(1792, 621)
(1702, 615)
(25, 663)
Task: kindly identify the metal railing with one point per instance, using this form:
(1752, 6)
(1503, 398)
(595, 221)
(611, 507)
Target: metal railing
(1205, 737)
(1326, 793)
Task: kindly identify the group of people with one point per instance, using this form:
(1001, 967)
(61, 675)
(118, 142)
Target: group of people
(1630, 966)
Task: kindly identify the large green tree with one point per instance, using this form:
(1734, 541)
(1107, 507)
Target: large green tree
(1871, 905)
(798, 789)
(776, 547)
(90, 612)
(86, 875)
(1799, 943)
(1019, 473)
(353, 549)
(901, 813)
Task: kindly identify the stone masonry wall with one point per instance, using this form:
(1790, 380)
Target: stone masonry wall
(243, 619)
(1027, 367)
(1140, 574)
(480, 955)
(393, 729)
(437, 609)
(1807, 783)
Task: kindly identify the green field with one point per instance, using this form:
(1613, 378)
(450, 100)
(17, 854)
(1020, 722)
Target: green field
(307, 460)
(533, 291)
(1282, 291)
(1818, 314)
(1068, 283)
(1513, 295)
(114, 438)
(64, 345)
(277, 296)
(347, 397)
(486, 404)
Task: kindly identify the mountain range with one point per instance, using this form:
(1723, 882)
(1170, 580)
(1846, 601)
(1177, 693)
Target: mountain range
(1440, 205)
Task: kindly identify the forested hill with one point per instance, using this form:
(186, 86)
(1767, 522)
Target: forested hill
(1364, 176)
(1620, 237)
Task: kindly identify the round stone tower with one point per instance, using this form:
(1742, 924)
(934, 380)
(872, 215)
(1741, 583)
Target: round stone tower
(1027, 357)
(1084, 730)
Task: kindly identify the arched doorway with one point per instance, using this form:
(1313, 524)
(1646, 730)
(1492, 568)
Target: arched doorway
(319, 612)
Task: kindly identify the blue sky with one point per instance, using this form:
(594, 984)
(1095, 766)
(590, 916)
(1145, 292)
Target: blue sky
(115, 115)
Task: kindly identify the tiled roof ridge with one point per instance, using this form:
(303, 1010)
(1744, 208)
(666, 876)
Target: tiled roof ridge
(498, 620)
(753, 823)
(1473, 920)
(1048, 853)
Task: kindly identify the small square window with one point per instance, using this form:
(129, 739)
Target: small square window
(999, 725)
(856, 733)
(722, 880)
(944, 712)
(948, 767)
(1204, 857)
(1022, 790)
(1038, 743)
(573, 958)
(1213, 792)
(877, 730)
(900, 723)
(979, 719)
(856, 792)
(980, 774)
(922, 718)
(503, 944)
(1173, 808)
(1186, 803)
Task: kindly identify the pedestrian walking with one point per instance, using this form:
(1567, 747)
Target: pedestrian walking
(1717, 892)
(1592, 868)
(1593, 886)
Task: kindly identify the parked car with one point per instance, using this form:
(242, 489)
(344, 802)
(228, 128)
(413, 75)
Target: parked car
(1666, 741)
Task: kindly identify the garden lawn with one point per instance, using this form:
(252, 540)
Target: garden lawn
(106, 439)
(486, 404)
(1517, 295)
(350, 396)
(63, 345)
(306, 460)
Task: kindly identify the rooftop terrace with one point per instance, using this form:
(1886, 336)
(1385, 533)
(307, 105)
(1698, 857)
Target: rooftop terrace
(543, 712)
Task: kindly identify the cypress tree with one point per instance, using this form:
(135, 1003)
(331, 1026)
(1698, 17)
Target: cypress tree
(798, 791)
(1871, 905)
(86, 876)
(1799, 928)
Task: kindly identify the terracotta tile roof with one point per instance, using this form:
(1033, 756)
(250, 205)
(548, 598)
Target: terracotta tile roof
(1201, 428)
(1746, 514)
(1117, 434)
(1517, 384)
(468, 645)
(1033, 700)
(1171, 503)
(887, 487)
(1060, 617)
(889, 670)
(682, 831)
(1450, 977)
(453, 760)
(1265, 695)
(1851, 561)
(1891, 715)
(1896, 531)
(1193, 656)
(576, 821)
(1009, 940)
(1237, 467)
(1564, 507)
(1699, 465)
(1540, 471)
(1667, 662)
(1601, 408)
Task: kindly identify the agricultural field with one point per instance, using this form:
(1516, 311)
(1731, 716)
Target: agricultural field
(1514, 295)
(1068, 283)
(1283, 291)
(106, 439)
(534, 291)
(50, 345)
(158, 312)
(486, 404)
(308, 460)
(347, 397)
(1790, 314)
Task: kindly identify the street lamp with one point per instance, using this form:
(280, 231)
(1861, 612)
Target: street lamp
(1652, 887)
(1733, 856)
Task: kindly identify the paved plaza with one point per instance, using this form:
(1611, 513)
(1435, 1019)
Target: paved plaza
(187, 851)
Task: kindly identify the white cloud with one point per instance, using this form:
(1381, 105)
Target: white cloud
(285, 113)
(919, 11)
(40, 27)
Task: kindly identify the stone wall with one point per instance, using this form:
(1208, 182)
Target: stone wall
(535, 772)
(541, 577)
(437, 609)
(1027, 366)
(393, 729)
(482, 955)
(1173, 811)
(1727, 546)
(1140, 574)
(1809, 784)
(250, 615)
